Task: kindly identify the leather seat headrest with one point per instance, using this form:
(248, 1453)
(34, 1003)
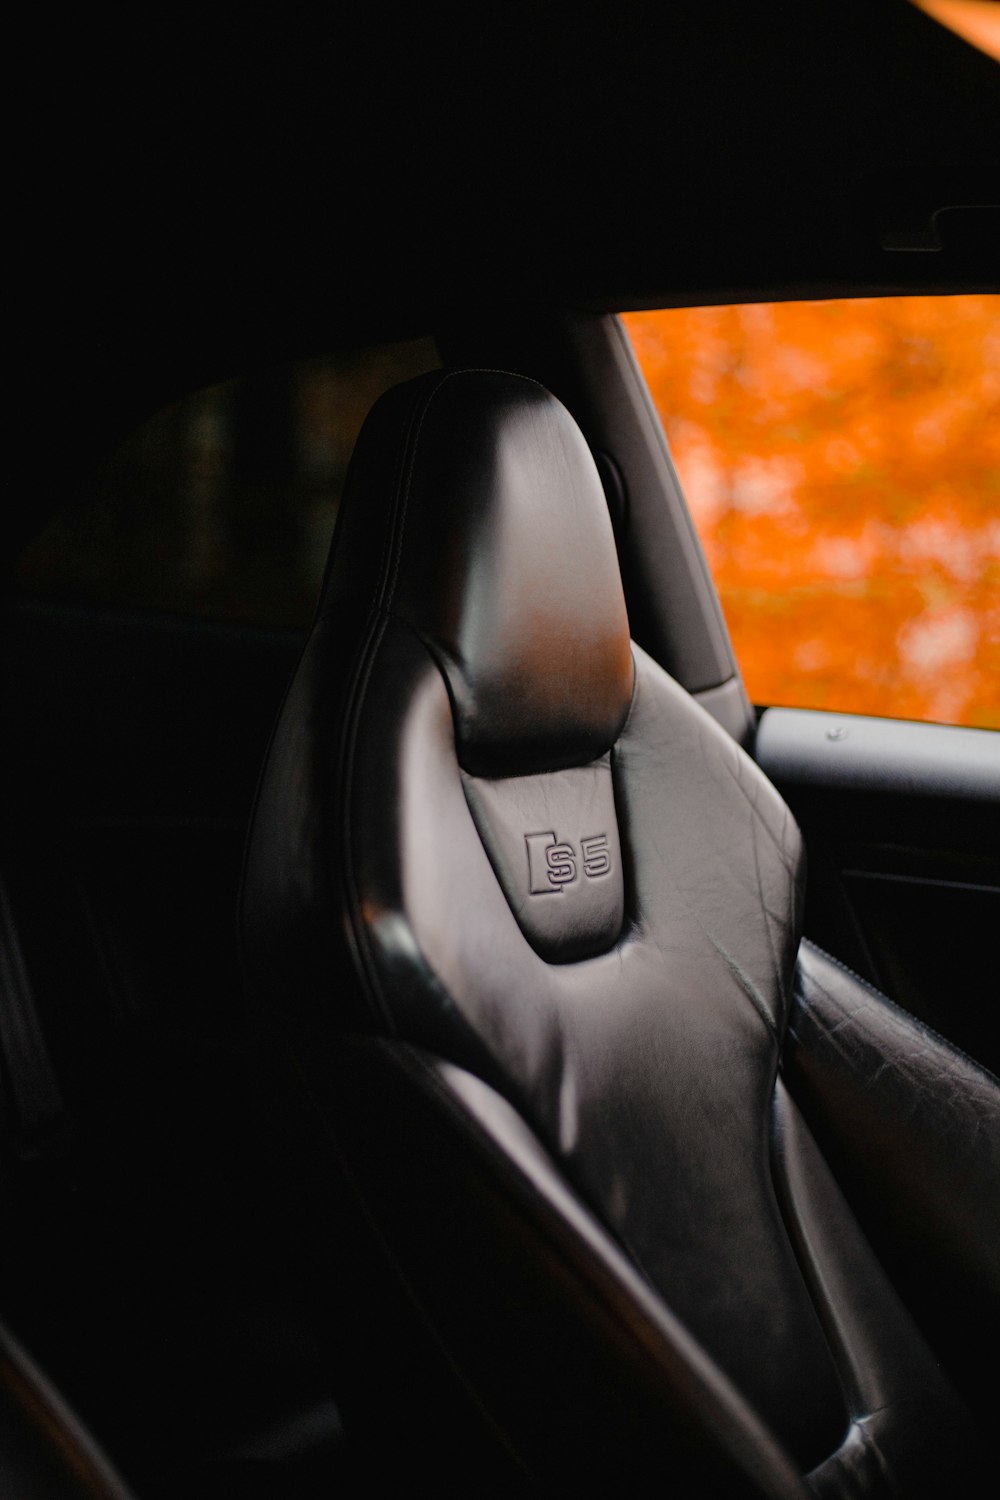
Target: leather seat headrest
(491, 538)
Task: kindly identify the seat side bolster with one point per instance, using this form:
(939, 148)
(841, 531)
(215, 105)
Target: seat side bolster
(905, 1417)
(911, 1128)
(917, 1119)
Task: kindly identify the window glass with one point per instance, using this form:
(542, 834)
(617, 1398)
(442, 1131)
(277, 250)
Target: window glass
(842, 463)
(223, 505)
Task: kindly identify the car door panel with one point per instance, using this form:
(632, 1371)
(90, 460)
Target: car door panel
(901, 821)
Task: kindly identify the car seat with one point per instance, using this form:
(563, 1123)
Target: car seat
(528, 924)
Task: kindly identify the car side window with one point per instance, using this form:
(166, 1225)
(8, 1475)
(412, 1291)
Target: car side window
(841, 460)
(222, 506)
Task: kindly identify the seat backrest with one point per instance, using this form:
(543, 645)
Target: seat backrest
(563, 906)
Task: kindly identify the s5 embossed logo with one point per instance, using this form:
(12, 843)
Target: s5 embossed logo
(553, 866)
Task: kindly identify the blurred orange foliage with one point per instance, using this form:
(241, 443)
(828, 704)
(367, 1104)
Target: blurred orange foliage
(842, 463)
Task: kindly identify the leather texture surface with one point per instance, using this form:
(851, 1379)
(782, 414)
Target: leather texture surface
(552, 839)
(587, 1374)
(498, 551)
(636, 1041)
(860, 1063)
(912, 1126)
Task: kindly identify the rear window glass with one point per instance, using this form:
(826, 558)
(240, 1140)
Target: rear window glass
(222, 506)
(842, 463)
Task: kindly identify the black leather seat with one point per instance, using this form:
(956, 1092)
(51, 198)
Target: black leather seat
(532, 924)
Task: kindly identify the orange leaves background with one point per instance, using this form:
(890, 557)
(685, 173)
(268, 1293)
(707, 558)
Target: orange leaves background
(842, 463)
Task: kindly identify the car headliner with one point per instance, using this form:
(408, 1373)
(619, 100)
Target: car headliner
(206, 198)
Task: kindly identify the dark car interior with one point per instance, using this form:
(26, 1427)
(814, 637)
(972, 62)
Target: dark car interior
(333, 1156)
